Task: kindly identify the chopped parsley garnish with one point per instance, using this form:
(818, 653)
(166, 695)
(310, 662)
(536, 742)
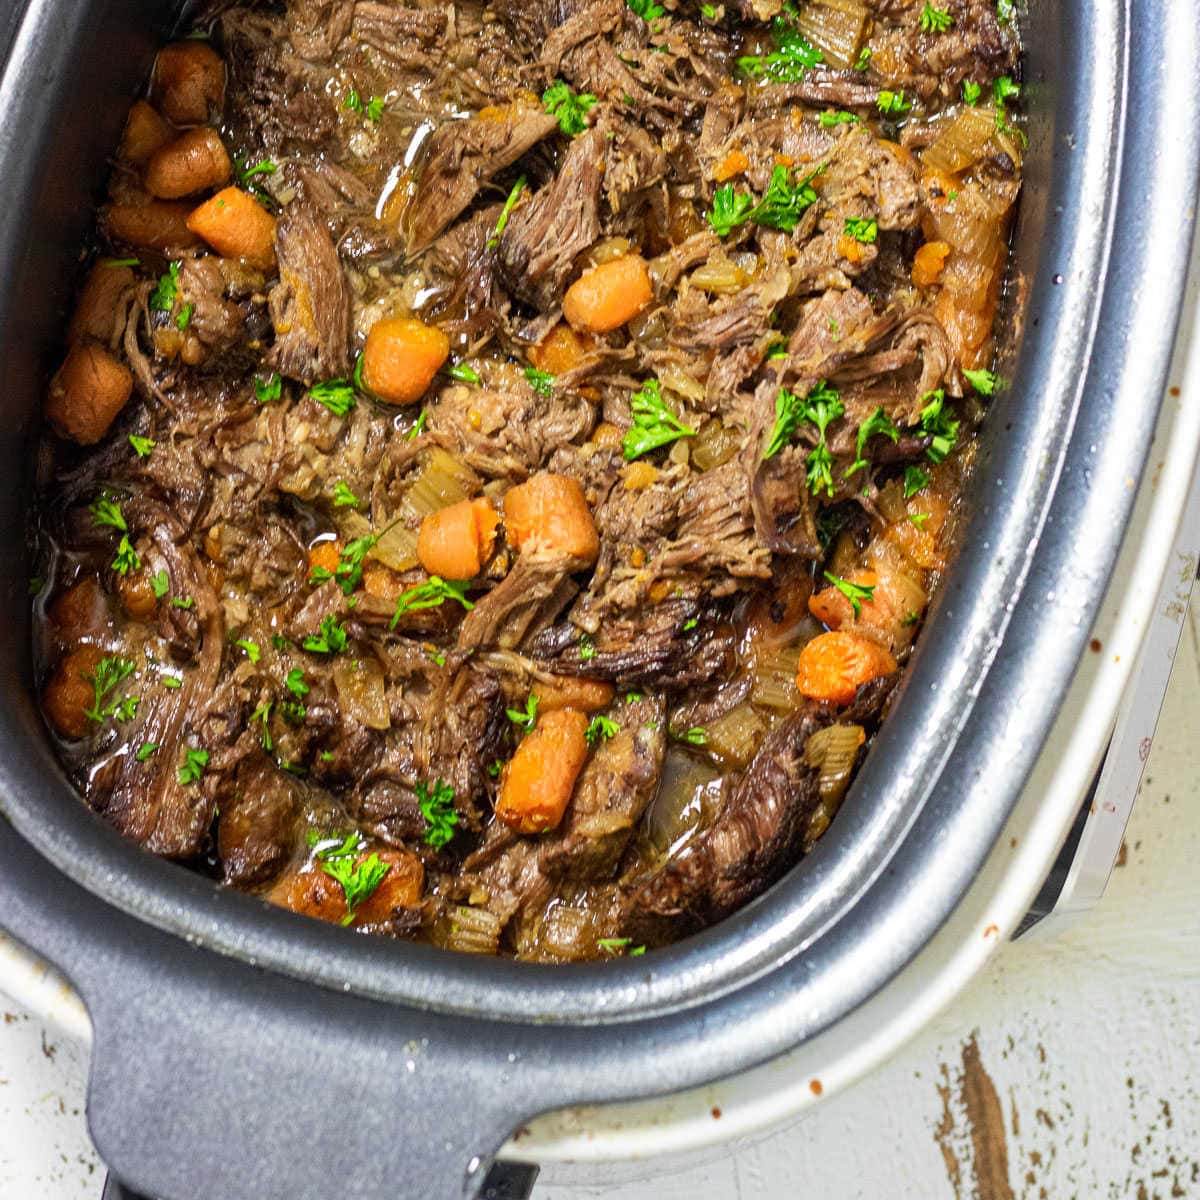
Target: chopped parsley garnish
(542, 382)
(330, 638)
(509, 204)
(569, 109)
(280, 643)
(262, 714)
(495, 769)
(971, 91)
(127, 557)
(938, 423)
(914, 480)
(633, 697)
(374, 109)
(708, 12)
(525, 717)
(336, 394)
(864, 59)
(349, 571)
(613, 945)
(182, 602)
(253, 653)
(1005, 10)
(935, 20)
(161, 583)
(821, 405)
(729, 209)
(109, 673)
(184, 318)
(343, 497)
(877, 423)
(919, 519)
(120, 262)
(463, 373)
(778, 350)
(162, 299)
(263, 167)
(794, 54)
(418, 426)
(171, 681)
(433, 592)
(1005, 89)
(340, 861)
(437, 807)
(266, 390)
(893, 103)
(856, 593)
(654, 424)
(293, 712)
(192, 768)
(107, 511)
(862, 229)
(143, 447)
(696, 736)
(587, 648)
(780, 208)
(691, 624)
(831, 119)
(145, 750)
(984, 382)
(646, 9)
(601, 728)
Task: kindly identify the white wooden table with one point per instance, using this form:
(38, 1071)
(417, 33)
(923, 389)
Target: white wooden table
(1071, 1069)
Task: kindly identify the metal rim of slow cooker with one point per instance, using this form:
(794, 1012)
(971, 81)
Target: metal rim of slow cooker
(946, 768)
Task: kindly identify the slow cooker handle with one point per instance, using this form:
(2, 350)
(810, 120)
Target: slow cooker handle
(214, 1079)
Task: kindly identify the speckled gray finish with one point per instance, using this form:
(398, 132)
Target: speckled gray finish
(233, 1040)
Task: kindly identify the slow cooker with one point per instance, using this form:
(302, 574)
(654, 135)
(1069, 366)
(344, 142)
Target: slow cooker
(239, 1051)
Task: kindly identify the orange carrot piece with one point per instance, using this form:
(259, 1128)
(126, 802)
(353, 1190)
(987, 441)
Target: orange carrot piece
(401, 358)
(929, 262)
(69, 695)
(550, 513)
(536, 786)
(145, 132)
(90, 389)
(607, 296)
(587, 695)
(834, 665)
(734, 163)
(188, 84)
(455, 542)
(561, 350)
(194, 162)
(324, 555)
(235, 225)
(312, 892)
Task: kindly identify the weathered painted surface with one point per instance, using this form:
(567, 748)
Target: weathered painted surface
(1069, 1071)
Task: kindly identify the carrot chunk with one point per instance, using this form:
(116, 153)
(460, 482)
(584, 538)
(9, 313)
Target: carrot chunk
(587, 695)
(929, 262)
(145, 132)
(194, 162)
(91, 387)
(235, 225)
(312, 892)
(324, 555)
(188, 85)
(834, 665)
(561, 350)
(549, 513)
(150, 224)
(607, 296)
(401, 357)
(69, 694)
(536, 786)
(455, 542)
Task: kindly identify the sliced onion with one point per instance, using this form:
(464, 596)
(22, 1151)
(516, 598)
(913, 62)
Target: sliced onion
(836, 27)
(362, 691)
(962, 142)
(734, 738)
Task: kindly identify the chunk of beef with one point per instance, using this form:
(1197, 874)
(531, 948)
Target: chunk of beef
(257, 823)
(310, 306)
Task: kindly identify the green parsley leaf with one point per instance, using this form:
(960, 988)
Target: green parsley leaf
(587, 648)
(331, 638)
(613, 945)
(729, 209)
(601, 728)
(109, 673)
(691, 624)
(918, 519)
(893, 103)
(821, 405)
(862, 229)
(856, 593)
(418, 426)
(495, 769)
(1005, 10)
(340, 860)
(280, 643)
(143, 447)
(36, 584)
(877, 423)
(569, 109)
(708, 12)
(648, 10)
(935, 20)
(971, 91)
(463, 373)
(437, 807)
(120, 262)
(171, 681)
(293, 712)
(793, 56)
(336, 394)
(984, 382)
(433, 592)
(253, 653)
(263, 714)
(864, 59)
(145, 750)
(696, 736)
(353, 101)
(654, 424)
(374, 109)
(266, 390)
(107, 512)
(914, 480)
(778, 350)
(161, 584)
(192, 768)
(162, 299)
(263, 167)
(831, 119)
(509, 204)
(938, 422)
(343, 497)
(349, 570)
(632, 697)
(183, 602)
(542, 382)
(184, 317)
(783, 203)
(127, 557)
(1005, 89)
(295, 683)
(525, 717)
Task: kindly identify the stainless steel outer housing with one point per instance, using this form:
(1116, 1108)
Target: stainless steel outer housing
(241, 1052)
